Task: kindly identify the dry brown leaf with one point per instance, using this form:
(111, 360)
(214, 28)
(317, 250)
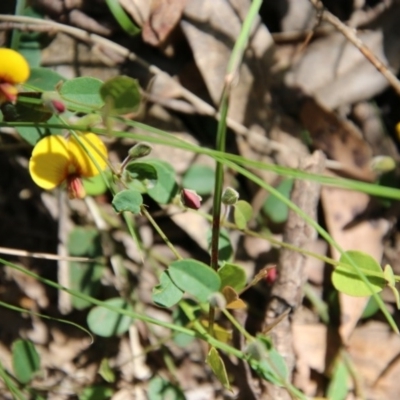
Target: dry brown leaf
(340, 140)
(375, 350)
(211, 28)
(164, 16)
(233, 301)
(341, 206)
(309, 343)
(336, 72)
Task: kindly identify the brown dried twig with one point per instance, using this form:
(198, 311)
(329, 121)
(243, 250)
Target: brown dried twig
(351, 35)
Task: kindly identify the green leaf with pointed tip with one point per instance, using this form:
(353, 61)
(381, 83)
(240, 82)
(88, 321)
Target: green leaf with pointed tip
(232, 275)
(127, 200)
(243, 213)
(166, 293)
(106, 372)
(84, 90)
(218, 367)
(195, 278)
(122, 93)
(106, 323)
(346, 280)
(25, 360)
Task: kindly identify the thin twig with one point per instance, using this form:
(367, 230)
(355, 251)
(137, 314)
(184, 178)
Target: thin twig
(44, 256)
(351, 35)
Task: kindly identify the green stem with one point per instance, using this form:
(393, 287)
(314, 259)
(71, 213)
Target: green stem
(236, 324)
(160, 232)
(16, 34)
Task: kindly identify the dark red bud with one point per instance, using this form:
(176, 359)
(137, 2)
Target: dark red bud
(190, 199)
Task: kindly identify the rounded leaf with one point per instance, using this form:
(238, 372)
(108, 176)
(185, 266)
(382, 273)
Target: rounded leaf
(25, 360)
(346, 280)
(232, 275)
(122, 93)
(275, 209)
(83, 90)
(106, 323)
(242, 214)
(195, 278)
(166, 293)
(166, 187)
(200, 178)
(127, 200)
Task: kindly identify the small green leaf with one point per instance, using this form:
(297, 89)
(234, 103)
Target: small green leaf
(200, 178)
(218, 367)
(96, 392)
(166, 187)
(127, 200)
(84, 90)
(25, 359)
(44, 79)
(232, 275)
(275, 209)
(106, 372)
(194, 277)
(338, 386)
(106, 323)
(161, 389)
(243, 213)
(345, 279)
(122, 93)
(166, 294)
(140, 176)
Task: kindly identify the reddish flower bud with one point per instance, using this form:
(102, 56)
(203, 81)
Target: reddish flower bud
(53, 101)
(75, 187)
(271, 276)
(190, 199)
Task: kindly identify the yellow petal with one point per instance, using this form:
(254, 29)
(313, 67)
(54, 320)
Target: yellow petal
(13, 67)
(84, 164)
(50, 162)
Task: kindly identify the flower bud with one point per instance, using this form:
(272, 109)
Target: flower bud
(53, 101)
(190, 199)
(75, 187)
(217, 300)
(230, 196)
(256, 350)
(272, 275)
(139, 150)
(382, 164)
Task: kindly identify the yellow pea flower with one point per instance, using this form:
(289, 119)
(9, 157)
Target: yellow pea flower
(14, 69)
(56, 160)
